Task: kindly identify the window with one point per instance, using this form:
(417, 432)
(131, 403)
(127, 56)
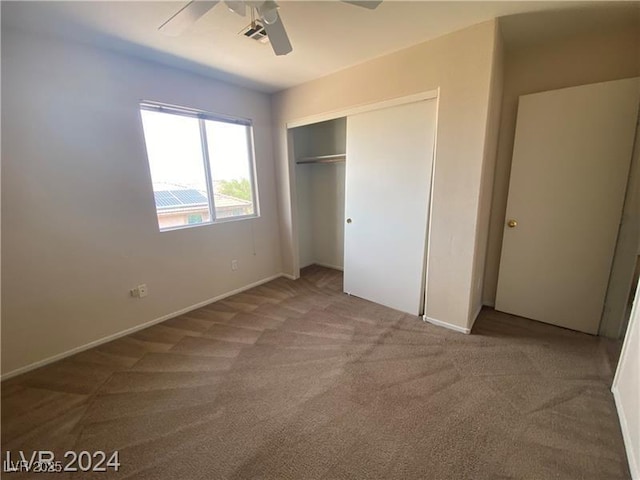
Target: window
(201, 166)
(194, 218)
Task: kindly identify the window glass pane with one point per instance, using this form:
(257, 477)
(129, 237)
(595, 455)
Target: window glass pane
(174, 149)
(229, 157)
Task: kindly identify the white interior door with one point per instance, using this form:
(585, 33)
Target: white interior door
(568, 179)
(388, 180)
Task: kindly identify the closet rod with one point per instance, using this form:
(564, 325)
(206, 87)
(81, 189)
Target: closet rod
(340, 157)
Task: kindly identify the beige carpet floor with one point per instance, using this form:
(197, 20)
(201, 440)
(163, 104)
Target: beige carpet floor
(295, 380)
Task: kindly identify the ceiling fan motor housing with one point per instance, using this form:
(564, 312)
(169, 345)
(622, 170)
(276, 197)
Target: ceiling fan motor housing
(255, 30)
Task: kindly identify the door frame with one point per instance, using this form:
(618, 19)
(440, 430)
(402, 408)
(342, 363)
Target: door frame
(346, 112)
(614, 320)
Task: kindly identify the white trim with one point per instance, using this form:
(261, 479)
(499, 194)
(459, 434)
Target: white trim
(450, 326)
(364, 107)
(432, 183)
(327, 265)
(292, 177)
(289, 276)
(634, 463)
(142, 326)
(319, 264)
(633, 317)
(626, 436)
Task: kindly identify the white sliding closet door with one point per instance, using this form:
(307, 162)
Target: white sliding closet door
(388, 182)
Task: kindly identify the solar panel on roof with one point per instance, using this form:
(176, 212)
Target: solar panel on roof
(178, 198)
(165, 199)
(189, 197)
(163, 194)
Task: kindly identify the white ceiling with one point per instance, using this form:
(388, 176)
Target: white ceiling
(327, 36)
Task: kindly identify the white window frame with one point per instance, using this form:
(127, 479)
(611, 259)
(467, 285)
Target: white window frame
(202, 116)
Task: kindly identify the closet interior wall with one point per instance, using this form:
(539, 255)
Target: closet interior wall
(320, 192)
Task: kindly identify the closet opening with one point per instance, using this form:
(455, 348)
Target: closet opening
(319, 152)
(350, 176)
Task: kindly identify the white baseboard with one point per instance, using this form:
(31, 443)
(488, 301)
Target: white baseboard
(327, 265)
(286, 275)
(450, 326)
(634, 466)
(128, 331)
(489, 303)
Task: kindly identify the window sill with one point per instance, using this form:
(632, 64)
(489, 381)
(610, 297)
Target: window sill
(206, 224)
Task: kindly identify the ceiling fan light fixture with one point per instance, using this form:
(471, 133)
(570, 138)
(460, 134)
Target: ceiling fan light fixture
(268, 11)
(236, 6)
(270, 17)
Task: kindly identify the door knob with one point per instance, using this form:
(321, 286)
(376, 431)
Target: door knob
(512, 223)
(348, 220)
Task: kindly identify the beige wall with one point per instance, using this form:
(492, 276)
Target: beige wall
(328, 190)
(320, 194)
(578, 60)
(488, 173)
(460, 65)
(78, 216)
(306, 252)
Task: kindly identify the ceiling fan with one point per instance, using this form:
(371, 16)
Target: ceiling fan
(266, 10)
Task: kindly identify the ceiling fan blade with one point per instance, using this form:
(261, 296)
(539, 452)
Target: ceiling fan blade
(237, 6)
(278, 36)
(186, 16)
(370, 4)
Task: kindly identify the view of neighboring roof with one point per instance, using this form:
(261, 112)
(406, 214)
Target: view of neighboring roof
(190, 197)
(179, 198)
(222, 200)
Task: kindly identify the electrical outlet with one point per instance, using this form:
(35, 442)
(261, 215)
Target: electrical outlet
(140, 291)
(234, 265)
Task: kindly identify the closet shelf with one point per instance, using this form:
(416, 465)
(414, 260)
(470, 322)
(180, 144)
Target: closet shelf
(339, 157)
